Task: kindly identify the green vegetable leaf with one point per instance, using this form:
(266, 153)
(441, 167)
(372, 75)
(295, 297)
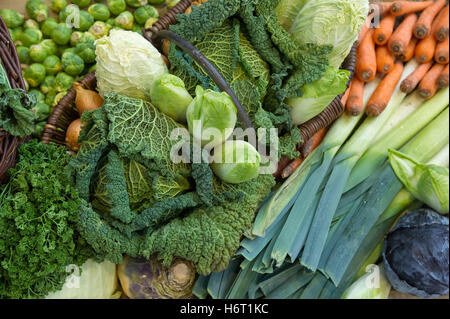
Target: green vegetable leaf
(16, 116)
(150, 136)
(428, 183)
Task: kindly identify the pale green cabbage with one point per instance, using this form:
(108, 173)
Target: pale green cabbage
(428, 183)
(236, 162)
(325, 22)
(373, 285)
(127, 64)
(96, 281)
(318, 95)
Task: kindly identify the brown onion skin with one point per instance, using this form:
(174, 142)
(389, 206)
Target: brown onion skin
(86, 100)
(72, 134)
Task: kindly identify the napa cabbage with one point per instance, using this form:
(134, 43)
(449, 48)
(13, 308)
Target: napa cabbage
(324, 22)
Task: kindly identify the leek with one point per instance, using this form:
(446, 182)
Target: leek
(343, 165)
(424, 146)
(285, 196)
(404, 131)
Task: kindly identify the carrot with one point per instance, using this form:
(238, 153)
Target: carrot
(345, 96)
(410, 83)
(383, 93)
(313, 143)
(404, 7)
(425, 49)
(429, 84)
(385, 60)
(365, 29)
(441, 55)
(282, 163)
(423, 24)
(402, 35)
(409, 52)
(291, 168)
(382, 7)
(441, 32)
(443, 78)
(384, 30)
(366, 58)
(355, 103)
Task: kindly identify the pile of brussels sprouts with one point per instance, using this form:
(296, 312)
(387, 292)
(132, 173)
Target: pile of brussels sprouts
(54, 55)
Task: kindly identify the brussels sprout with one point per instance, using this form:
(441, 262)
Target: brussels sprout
(111, 22)
(30, 37)
(39, 129)
(92, 68)
(125, 20)
(99, 29)
(136, 3)
(236, 162)
(75, 38)
(37, 10)
(52, 65)
(35, 74)
(171, 3)
(50, 97)
(72, 63)
(142, 14)
(157, 2)
(40, 97)
(63, 82)
(81, 3)
(58, 98)
(87, 37)
(50, 45)
(42, 111)
(150, 22)
(68, 50)
(31, 24)
(16, 35)
(64, 13)
(86, 21)
(149, 279)
(170, 96)
(117, 6)
(48, 26)
(86, 51)
(38, 53)
(61, 34)
(211, 117)
(137, 29)
(24, 54)
(58, 5)
(27, 85)
(99, 11)
(416, 256)
(48, 84)
(12, 18)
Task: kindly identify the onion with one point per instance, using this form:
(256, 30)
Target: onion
(72, 134)
(86, 100)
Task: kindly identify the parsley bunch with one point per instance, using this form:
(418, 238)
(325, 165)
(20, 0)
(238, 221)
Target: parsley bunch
(38, 212)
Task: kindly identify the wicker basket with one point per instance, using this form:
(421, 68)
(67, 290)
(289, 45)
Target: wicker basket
(11, 65)
(64, 113)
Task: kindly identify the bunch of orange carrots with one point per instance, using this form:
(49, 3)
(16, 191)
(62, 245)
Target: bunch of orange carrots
(406, 30)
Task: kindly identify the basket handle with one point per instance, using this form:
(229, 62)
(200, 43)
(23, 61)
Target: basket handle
(209, 68)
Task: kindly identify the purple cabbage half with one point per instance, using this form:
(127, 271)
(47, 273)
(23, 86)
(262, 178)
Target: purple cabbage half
(416, 254)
